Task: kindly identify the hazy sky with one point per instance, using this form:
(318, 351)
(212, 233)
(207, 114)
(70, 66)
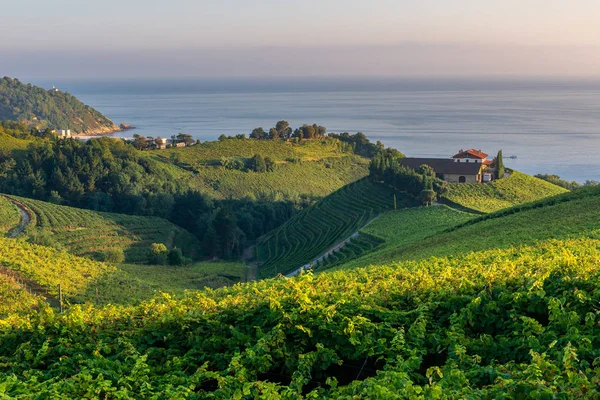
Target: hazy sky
(145, 38)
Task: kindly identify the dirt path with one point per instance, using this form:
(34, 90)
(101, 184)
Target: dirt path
(25, 219)
(332, 249)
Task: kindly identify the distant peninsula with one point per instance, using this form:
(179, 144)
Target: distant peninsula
(52, 109)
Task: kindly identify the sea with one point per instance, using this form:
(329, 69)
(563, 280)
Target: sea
(543, 126)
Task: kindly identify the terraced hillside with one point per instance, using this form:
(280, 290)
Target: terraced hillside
(90, 234)
(559, 217)
(517, 189)
(309, 168)
(358, 246)
(331, 220)
(9, 143)
(9, 215)
(14, 297)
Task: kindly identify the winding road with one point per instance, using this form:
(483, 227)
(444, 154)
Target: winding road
(25, 219)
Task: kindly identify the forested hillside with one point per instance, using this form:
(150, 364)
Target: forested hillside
(49, 109)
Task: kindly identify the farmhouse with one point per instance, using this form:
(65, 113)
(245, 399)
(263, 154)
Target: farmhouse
(467, 166)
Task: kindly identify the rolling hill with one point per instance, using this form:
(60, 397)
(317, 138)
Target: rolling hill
(309, 168)
(90, 234)
(517, 189)
(47, 108)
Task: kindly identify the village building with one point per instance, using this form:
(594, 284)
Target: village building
(63, 133)
(467, 166)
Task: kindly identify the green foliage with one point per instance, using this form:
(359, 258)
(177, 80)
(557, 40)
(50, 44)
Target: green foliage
(257, 163)
(47, 108)
(158, 254)
(14, 297)
(311, 232)
(114, 256)
(398, 230)
(174, 257)
(569, 185)
(9, 215)
(520, 321)
(96, 234)
(50, 267)
(499, 165)
(516, 189)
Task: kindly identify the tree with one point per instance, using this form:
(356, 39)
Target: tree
(222, 138)
(258, 164)
(499, 165)
(283, 129)
(270, 164)
(258, 133)
(428, 195)
(175, 257)
(185, 138)
(158, 254)
(139, 142)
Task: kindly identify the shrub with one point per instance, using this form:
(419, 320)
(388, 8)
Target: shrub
(115, 256)
(158, 254)
(175, 257)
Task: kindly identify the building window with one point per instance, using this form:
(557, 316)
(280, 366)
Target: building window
(462, 179)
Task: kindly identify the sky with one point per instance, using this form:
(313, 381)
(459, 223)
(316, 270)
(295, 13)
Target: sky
(284, 38)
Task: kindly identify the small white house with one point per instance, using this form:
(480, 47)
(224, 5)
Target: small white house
(63, 133)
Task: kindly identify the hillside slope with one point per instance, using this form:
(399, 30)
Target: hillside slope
(46, 108)
(329, 221)
(519, 321)
(309, 168)
(517, 189)
(90, 234)
(561, 217)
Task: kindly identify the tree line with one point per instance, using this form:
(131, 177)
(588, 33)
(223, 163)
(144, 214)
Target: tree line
(421, 183)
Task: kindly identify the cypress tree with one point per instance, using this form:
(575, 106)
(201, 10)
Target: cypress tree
(499, 165)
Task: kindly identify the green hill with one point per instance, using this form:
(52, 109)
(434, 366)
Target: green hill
(440, 231)
(517, 189)
(91, 234)
(308, 168)
(47, 108)
(331, 220)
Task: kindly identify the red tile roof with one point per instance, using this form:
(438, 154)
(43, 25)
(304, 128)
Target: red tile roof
(487, 162)
(471, 152)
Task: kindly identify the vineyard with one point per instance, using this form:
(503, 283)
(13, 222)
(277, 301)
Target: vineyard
(312, 178)
(360, 245)
(402, 228)
(311, 232)
(9, 215)
(520, 322)
(517, 189)
(49, 267)
(89, 234)
(210, 153)
(9, 143)
(14, 297)
(559, 217)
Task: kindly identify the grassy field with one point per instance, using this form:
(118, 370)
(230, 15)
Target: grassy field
(329, 221)
(517, 189)
(9, 215)
(132, 283)
(89, 233)
(312, 168)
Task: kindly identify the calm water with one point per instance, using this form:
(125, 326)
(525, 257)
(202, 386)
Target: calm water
(550, 126)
